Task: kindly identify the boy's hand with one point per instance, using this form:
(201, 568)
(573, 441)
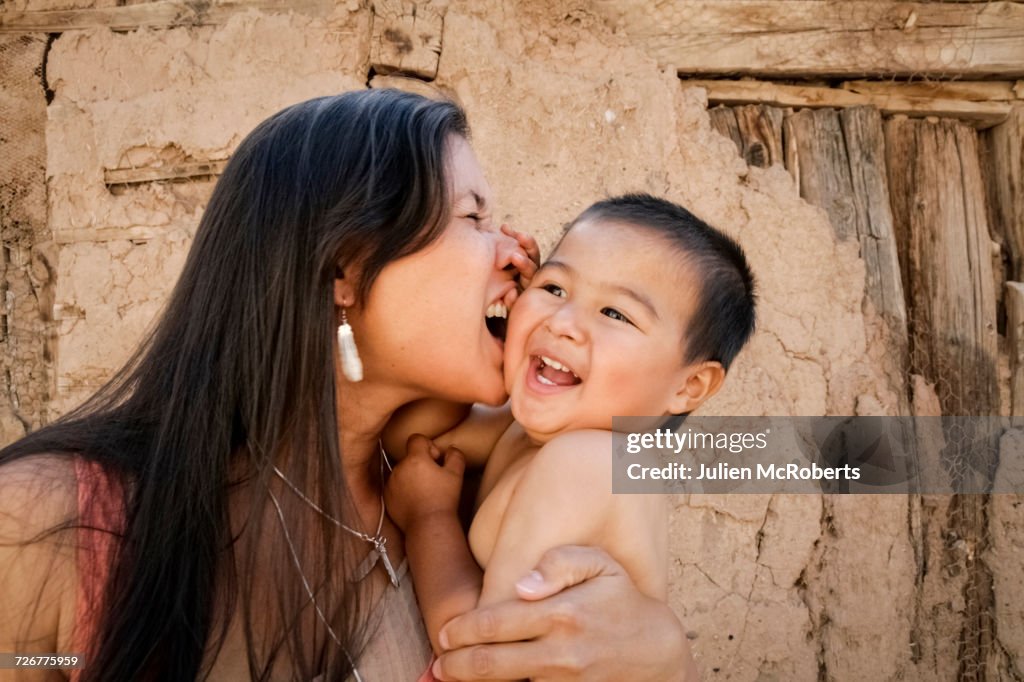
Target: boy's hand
(426, 482)
(527, 259)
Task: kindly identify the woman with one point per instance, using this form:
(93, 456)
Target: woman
(216, 509)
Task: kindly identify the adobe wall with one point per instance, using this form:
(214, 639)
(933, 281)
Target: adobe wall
(563, 112)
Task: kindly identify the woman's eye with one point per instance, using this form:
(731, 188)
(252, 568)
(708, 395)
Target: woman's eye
(615, 315)
(482, 222)
(554, 289)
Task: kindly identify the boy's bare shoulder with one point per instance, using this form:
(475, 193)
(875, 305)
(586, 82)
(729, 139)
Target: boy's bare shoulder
(592, 444)
(584, 455)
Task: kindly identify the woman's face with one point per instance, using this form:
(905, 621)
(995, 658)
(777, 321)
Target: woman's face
(423, 326)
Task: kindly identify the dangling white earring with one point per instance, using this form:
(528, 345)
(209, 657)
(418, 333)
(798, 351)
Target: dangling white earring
(351, 364)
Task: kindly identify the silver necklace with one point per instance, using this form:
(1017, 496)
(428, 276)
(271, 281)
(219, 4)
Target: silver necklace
(309, 590)
(379, 542)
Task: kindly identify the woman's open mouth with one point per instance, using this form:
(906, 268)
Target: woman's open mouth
(496, 320)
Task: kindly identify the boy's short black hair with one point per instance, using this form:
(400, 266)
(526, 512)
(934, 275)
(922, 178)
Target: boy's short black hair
(724, 317)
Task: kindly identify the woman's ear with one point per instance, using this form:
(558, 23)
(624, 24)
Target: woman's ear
(699, 385)
(344, 289)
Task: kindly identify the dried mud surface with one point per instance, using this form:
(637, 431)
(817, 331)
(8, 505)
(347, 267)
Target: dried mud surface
(564, 112)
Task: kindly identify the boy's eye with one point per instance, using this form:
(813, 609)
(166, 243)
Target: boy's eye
(615, 315)
(554, 289)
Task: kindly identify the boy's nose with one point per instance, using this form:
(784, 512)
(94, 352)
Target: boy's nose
(565, 323)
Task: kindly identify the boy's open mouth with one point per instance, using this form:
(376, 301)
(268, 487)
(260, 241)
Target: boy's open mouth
(496, 320)
(551, 372)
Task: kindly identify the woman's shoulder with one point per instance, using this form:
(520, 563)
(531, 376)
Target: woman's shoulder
(38, 494)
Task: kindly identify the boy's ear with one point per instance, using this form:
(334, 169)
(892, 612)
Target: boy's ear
(701, 383)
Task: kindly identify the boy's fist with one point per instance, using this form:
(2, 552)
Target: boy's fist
(425, 482)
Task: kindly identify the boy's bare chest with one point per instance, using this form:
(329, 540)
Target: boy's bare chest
(505, 467)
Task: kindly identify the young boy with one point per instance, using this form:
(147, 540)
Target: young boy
(639, 311)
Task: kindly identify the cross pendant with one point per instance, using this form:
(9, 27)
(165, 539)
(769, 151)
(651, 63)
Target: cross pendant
(382, 552)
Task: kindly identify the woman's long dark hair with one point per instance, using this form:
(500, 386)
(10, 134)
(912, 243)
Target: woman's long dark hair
(239, 375)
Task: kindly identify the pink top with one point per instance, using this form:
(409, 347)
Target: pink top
(101, 517)
(399, 649)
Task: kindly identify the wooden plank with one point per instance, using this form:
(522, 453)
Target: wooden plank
(1014, 297)
(760, 128)
(406, 38)
(981, 114)
(159, 14)
(864, 140)
(756, 130)
(1003, 148)
(938, 201)
(171, 172)
(971, 91)
(819, 154)
(938, 207)
(141, 233)
(723, 120)
(839, 157)
(812, 38)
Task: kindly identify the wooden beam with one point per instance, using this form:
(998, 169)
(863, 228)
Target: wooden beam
(172, 172)
(970, 91)
(812, 38)
(159, 14)
(980, 114)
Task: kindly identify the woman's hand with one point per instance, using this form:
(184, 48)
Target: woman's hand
(524, 255)
(424, 482)
(601, 629)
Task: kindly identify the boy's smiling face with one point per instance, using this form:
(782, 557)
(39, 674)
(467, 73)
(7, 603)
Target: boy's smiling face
(600, 332)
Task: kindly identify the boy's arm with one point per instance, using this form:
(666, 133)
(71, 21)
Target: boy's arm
(422, 499)
(430, 416)
(445, 574)
(563, 498)
(475, 429)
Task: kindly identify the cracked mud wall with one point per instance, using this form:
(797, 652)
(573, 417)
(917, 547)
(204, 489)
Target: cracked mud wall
(564, 112)
(158, 97)
(26, 286)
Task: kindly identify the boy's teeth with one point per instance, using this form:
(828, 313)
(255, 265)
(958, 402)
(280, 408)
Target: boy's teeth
(543, 380)
(556, 364)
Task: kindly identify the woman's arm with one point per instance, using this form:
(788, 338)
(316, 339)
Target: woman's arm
(589, 621)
